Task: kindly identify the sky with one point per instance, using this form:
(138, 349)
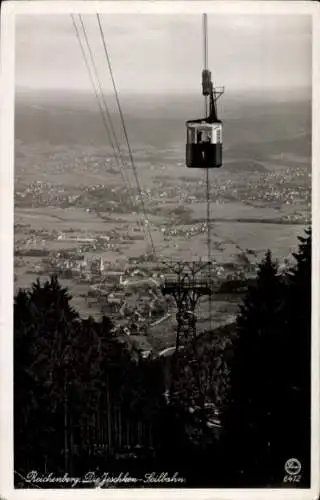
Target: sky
(164, 53)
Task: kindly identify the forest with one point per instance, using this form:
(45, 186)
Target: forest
(82, 402)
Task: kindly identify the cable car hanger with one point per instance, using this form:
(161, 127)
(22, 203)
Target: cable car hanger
(204, 135)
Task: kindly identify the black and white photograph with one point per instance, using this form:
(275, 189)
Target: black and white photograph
(162, 227)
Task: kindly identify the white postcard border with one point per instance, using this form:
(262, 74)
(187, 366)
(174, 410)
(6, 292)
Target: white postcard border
(8, 12)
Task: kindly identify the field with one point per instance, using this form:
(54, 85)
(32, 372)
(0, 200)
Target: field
(68, 184)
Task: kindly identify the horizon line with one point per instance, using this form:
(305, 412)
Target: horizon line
(171, 92)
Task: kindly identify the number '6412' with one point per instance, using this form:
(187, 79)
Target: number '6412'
(292, 479)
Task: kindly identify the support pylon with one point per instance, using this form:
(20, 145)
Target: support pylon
(186, 282)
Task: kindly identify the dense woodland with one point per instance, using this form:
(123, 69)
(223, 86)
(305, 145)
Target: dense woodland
(82, 402)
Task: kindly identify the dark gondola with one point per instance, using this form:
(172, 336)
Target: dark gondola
(204, 135)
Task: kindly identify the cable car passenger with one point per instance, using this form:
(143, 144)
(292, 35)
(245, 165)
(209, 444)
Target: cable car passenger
(206, 136)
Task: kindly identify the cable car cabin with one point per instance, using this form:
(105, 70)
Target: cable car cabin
(204, 144)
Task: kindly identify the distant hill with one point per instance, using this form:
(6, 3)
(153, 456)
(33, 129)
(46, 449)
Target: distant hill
(252, 128)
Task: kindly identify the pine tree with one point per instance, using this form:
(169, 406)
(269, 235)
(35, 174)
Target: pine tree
(72, 375)
(25, 402)
(295, 367)
(267, 420)
(248, 416)
(43, 353)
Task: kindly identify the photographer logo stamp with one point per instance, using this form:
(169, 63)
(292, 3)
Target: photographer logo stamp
(292, 468)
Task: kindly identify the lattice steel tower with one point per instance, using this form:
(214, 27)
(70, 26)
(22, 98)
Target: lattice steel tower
(186, 282)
